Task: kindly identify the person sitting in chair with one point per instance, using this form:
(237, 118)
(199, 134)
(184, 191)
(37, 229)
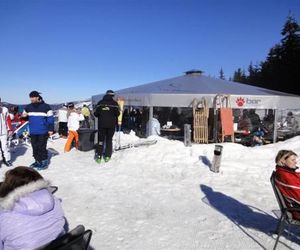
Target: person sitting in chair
(287, 177)
(258, 138)
(30, 216)
(153, 126)
(244, 123)
(290, 122)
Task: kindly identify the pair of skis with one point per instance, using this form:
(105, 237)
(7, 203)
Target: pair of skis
(136, 144)
(23, 132)
(121, 102)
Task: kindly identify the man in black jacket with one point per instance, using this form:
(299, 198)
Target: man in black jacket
(107, 112)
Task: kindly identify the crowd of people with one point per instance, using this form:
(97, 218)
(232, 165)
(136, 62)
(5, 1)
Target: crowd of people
(255, 129)
(64, 113)
(41, 126)
(132, 120)
(70, 118)
(25, 195)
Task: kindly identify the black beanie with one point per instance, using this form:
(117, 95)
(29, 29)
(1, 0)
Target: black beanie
(110, 92)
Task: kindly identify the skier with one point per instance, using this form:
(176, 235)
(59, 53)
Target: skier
(5, 132)
(107, 112)
(41, 126)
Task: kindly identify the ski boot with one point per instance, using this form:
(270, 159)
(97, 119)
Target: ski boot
(98, 159)
(7, 163)
(43, 165)
(106, 158)
(36, 164)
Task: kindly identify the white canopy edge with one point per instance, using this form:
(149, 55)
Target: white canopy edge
(185, 100)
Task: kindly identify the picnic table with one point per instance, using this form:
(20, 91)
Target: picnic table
(171, 133)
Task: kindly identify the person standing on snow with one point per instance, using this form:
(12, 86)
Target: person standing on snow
(85, 111)
(74, 117)
(5, 131)
(153, 127)
(63, 121)
(107, 112)
(41, 126)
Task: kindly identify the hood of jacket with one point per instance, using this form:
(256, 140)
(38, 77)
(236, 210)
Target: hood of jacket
(31, 199)
(107, 98)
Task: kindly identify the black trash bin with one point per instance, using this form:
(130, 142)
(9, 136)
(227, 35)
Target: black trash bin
(86, 139)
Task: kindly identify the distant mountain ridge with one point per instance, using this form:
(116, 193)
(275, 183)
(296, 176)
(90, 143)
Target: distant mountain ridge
(54, 106)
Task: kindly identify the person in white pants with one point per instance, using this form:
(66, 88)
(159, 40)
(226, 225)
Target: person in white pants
(5, 130)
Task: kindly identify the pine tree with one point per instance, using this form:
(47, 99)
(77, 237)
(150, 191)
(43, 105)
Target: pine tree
(280, 69)
(290, 53)
(240, 76)
(221, 74)
(237, 76)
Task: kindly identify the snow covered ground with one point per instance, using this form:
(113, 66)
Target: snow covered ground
(165, 197)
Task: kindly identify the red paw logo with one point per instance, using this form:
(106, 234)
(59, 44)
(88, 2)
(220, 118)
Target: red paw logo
(240, 101)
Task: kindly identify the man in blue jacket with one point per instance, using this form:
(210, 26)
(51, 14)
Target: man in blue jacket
(41, 126)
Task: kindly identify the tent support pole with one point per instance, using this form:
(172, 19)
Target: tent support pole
(275, 125)
(150, 120)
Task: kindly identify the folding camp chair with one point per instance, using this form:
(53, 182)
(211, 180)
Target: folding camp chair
(77, 239)
(287, 206)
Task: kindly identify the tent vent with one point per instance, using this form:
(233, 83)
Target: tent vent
(193, 72)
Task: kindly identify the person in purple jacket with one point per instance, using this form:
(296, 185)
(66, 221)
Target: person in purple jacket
(30, 216)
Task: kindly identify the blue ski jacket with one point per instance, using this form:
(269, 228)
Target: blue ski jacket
(40, 117)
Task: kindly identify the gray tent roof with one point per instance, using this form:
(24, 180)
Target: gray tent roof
(182, 90)
(198, 84)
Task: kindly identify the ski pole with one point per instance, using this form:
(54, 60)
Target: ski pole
(120, 102)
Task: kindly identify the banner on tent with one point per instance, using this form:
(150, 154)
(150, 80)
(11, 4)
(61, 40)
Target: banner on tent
(253, 102)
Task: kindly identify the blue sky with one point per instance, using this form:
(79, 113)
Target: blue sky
(72, 49)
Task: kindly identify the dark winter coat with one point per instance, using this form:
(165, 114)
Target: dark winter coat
(107, 112)
(288, 182)
(255, 121)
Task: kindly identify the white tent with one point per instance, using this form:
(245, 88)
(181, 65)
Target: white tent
(181, 91)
